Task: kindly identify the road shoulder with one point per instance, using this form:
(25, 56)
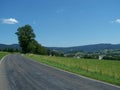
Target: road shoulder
(4, 84)
(98, 81)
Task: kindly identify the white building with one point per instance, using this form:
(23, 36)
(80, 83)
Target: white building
(101, 57)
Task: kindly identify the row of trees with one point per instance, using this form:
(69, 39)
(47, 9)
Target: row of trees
(27, 41)
(10, 50)
(28, 44)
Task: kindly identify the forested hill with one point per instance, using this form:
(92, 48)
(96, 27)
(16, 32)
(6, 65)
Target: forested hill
(87, 48)
(12, 46)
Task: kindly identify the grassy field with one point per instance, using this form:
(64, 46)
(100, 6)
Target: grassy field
(104, 70)
(3, 54)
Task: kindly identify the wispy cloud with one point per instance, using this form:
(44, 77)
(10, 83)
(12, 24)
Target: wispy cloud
(116, 21)
(9, 21)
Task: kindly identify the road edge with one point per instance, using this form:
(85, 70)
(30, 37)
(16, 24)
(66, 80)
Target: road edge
(4, 77)
(75, 74)
(2, 59)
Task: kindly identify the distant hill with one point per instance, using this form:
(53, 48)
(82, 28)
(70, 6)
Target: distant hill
(87, 48)
(13, 46)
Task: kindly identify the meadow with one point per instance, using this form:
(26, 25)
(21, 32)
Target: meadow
(2, 54)
(104, 70)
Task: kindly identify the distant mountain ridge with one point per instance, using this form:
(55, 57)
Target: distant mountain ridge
(85, 48)
(13, 46)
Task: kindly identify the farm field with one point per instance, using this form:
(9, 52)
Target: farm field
(104, 70)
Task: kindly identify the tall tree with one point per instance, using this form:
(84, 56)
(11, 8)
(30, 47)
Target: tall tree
(26, 37)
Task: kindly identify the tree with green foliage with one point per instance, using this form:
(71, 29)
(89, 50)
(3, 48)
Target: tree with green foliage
(25, 36)
(27, 41)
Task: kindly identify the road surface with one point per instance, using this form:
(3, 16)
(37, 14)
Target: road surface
(20, 73)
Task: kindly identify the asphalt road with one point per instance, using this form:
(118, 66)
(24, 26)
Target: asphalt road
(20, 73)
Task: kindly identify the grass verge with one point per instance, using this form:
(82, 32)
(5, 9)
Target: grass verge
(108, 71)
(2, 54)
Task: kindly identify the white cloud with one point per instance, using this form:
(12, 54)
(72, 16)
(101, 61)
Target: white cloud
(117, 21)
(9, 21)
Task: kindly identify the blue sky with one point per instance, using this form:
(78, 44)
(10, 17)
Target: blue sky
(62, 23)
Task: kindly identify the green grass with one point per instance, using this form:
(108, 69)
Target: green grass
(104, 70)
(2, 54)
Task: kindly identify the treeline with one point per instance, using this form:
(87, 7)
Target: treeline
(28, 44)
(56, 53)
(36, 48)
(109, 55)
(112, 57)
(10, 50)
